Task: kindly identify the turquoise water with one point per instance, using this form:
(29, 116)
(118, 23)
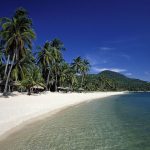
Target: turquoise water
(114, 123)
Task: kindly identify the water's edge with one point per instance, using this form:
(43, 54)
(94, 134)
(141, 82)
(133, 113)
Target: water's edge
(36, 119)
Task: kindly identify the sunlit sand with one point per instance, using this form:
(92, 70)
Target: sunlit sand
(20, 108)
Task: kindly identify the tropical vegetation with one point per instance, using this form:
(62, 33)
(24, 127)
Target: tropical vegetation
(25, 68)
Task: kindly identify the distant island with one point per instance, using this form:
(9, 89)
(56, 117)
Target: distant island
(113, 81)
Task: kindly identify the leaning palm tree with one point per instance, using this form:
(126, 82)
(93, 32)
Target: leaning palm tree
(2, 60)
(17, 33)
(21, 68)
(1, 64)
(1, 57)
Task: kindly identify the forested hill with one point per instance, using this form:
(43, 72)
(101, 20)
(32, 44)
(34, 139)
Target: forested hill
(109, 80)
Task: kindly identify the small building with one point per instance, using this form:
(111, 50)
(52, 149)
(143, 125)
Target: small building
(64, 89)
(80, 90)
(12, 85)
(37, 88)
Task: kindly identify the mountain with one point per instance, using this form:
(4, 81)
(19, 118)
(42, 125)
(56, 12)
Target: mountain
(113, 81)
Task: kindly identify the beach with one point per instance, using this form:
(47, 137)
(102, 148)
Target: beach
(19, 109)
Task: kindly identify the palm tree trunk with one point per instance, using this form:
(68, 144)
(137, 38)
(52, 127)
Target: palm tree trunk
(29, 91)
(55, 80)
(47, 80)
(6, 65)
(82, 81)
(56, 83)
(8, 76)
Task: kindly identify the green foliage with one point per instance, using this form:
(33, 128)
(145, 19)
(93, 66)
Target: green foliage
(33, 77)
(48, 68)
(112, 81)
(17, 35)
(81, 67)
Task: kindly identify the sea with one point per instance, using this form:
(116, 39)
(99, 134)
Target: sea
(114, 123)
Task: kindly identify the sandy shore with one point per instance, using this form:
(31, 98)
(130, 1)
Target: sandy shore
(20, 108)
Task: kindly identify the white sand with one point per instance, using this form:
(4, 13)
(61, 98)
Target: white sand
(20, 108)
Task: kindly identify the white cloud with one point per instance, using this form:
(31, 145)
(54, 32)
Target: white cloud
(128, 74)
(97, 69)
(147, 73)
(105, 48)
(123, 40)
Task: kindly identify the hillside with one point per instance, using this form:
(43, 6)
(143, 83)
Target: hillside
(109, 80)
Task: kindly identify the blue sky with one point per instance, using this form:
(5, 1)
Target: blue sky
(112, 34)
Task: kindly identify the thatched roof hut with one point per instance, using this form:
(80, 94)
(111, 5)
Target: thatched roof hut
(16, 83)
(37, 87)
(80, 89)
(66, 89)
(12, 85)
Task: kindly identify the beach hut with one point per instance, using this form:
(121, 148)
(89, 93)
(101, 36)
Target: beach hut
(64, 89)
(12, 85)
(80, 90)
(37, 88)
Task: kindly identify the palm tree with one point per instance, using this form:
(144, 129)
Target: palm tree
(17, 33)
(58, 44)
(64, 68)
(81, 66)
(32, 78)
(1, 64)
(57, 47)
(21, 68)
(1, 57)
(45, 59)
(77, 64)
(84, 69)
(72, 78)
(49, 58)
(2, 60)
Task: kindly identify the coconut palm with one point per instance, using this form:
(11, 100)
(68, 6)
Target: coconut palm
(84, 69)
(1, 57)
(2, 60)
(49, 58)
(57, 47)
(64, 68)
(1, 64)
(77, 64)
(21, 68)
(45, 59)
(72, 78)
(58, 44)
(17, 33)
(32, 78)
(81, 66)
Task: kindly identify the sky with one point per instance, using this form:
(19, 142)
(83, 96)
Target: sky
(111, 34)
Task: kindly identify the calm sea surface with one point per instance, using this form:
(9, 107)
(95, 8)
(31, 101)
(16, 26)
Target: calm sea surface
(114, 123)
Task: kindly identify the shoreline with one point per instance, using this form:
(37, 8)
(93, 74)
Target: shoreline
(20, 110)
